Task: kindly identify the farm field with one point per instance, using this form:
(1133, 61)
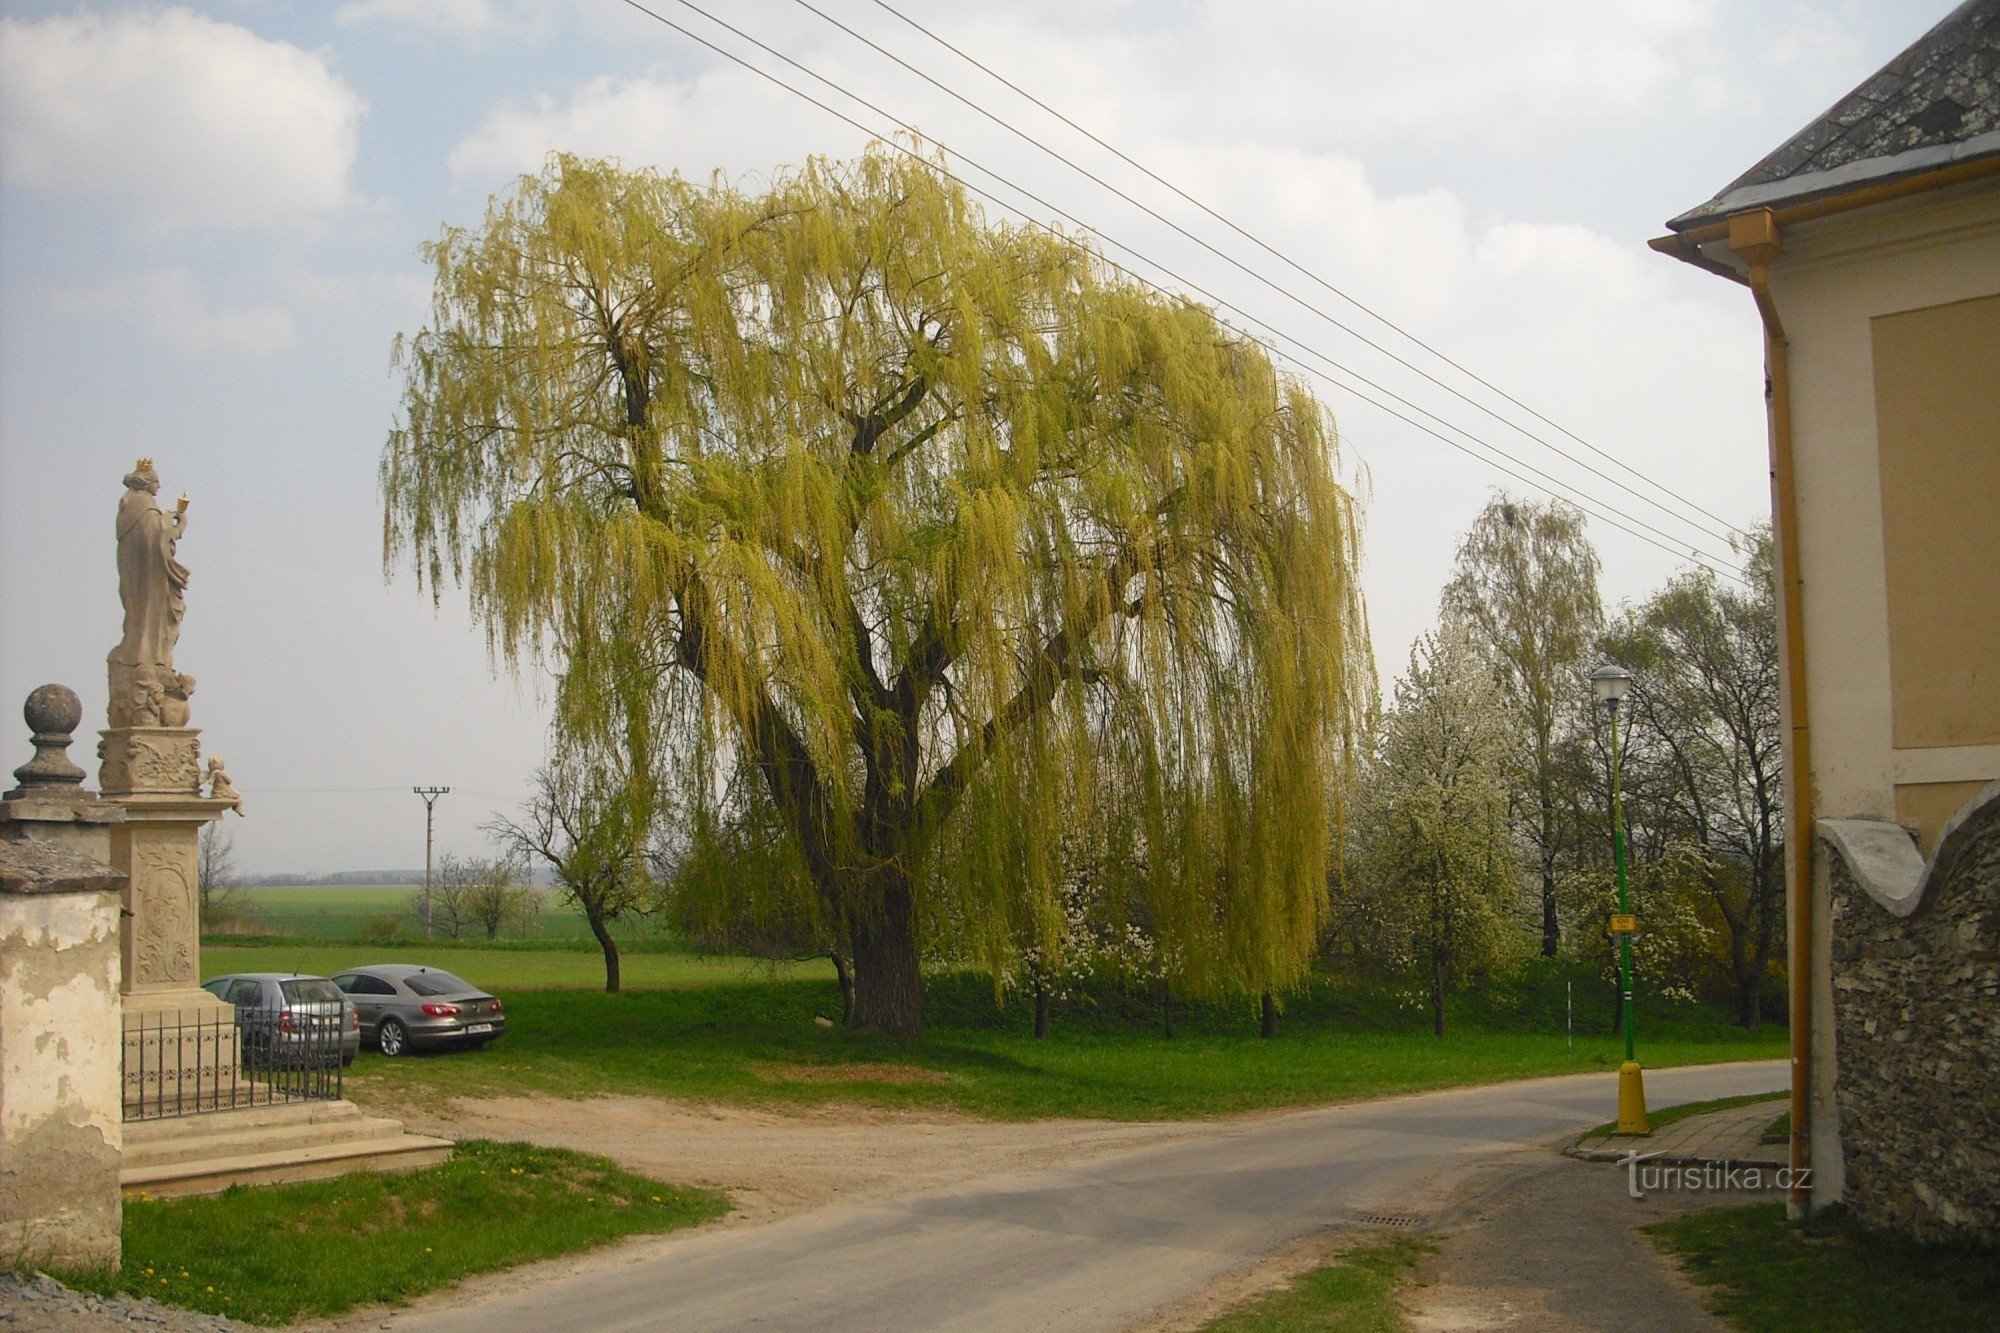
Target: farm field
(341, 911)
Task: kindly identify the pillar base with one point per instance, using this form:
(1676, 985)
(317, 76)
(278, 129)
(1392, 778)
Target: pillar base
(1632, 1100)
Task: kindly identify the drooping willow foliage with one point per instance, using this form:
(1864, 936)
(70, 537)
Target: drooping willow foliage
(916, 537)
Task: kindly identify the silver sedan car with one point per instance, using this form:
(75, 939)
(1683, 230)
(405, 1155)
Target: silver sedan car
(406, 1007)
(288, 1018)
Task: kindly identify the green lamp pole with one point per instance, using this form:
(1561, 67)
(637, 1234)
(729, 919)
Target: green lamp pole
(1610, 684)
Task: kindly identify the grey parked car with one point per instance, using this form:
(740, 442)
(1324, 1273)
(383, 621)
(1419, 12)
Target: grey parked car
(289, 1018)
(405, 1007)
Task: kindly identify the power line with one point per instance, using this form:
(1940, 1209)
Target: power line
(1283, 291)
(1575, 496)
(1284, 258)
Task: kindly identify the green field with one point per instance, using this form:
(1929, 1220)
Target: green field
(340, 912)
(508, 970)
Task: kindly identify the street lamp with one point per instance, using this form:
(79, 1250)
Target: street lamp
(1610, 684)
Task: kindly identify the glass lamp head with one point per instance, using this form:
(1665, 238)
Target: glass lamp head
(1610, 683)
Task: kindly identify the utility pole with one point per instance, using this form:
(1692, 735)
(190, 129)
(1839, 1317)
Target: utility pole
(430, 795)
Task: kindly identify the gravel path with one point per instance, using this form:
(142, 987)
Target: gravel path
(40, 1304)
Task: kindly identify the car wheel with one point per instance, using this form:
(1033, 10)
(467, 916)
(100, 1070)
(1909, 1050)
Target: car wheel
(392, 1039)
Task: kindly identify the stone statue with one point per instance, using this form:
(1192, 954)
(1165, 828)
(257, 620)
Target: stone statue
(152, 585)
(220, 788)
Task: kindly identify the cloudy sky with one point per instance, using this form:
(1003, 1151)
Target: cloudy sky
(210, 214)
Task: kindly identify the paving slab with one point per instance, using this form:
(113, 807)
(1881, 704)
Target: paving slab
(1731, 1136)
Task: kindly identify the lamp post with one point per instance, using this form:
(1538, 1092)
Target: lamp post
(1610, 684)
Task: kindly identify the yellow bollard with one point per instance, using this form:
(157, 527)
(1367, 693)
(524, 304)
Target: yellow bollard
(1632, 1100)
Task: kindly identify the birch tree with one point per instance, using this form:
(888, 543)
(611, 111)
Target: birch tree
(1526, 584)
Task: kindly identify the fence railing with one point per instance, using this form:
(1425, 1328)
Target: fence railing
(186, 1062)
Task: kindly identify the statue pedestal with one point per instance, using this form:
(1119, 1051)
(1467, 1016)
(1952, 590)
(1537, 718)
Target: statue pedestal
(164, 761)
(181, 1045)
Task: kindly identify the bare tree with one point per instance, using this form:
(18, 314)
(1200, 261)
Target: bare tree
(215, 876)
(451, 892)
(496, 898)
(589, 828)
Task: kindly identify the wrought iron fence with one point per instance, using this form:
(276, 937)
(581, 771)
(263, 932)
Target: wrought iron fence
(185, 1062)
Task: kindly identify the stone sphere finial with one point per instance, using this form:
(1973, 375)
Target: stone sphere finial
(52, 709)
(53, 713)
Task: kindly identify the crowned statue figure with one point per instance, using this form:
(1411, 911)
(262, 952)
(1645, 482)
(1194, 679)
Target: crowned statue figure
(152, 586)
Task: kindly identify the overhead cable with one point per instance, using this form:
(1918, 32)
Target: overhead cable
(1551, 485)
(1728, 527)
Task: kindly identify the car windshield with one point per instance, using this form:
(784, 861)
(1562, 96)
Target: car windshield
(309, 990)
(435, 983)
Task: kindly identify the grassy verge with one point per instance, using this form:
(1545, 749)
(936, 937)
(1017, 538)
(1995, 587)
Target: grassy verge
(1356, 1294)
(285, 1252)
(1828, 1275)
(756, 1042)
(1665, 1116)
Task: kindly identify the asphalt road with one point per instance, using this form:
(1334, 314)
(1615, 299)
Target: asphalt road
(1095, 1245)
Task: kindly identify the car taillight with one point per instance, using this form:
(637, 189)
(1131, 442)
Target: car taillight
(354, 1019)
(285, 1021)
(496, 1006)
(441, 1010)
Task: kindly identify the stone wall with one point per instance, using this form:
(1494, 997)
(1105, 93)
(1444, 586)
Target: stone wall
(1916, 992)
(61, 1132)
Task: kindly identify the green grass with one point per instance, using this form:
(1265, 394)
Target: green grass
(1665, 1116)
(1827, 1276)
(1779, 1130)
(755, 1041)
(284, 1252)
(506, 970)
(1356, 1294)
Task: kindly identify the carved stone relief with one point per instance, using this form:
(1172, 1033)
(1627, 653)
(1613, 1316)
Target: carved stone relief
(165, 916)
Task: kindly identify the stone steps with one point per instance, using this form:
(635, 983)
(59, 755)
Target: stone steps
(203, 1154)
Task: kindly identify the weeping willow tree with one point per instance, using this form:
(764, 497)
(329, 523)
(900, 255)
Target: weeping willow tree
(940, 534)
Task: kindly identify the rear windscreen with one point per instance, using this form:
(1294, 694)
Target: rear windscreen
(435, 983)
(310, 990)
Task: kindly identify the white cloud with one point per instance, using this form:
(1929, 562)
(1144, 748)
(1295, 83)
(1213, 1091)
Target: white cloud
(167, 306)
(174, 119)
(727, 118)
(459, 17)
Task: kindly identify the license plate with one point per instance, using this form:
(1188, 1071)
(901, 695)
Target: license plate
(479, 1027)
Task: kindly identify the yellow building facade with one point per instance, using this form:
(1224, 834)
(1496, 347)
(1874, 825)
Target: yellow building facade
(1870, 243)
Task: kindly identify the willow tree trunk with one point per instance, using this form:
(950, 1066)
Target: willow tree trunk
(846, 980)
(1041, 1008)
(1267, 1017)
(888, 981)
(610, 947)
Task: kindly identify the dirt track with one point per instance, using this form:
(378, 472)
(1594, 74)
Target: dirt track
(775, 1162)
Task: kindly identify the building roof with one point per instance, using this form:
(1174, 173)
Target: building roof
(1936, 104)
